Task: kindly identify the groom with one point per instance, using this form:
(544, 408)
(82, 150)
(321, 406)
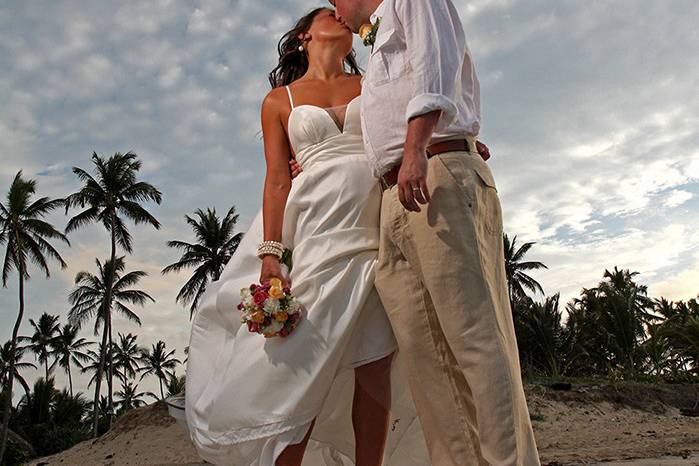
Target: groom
(441, 273)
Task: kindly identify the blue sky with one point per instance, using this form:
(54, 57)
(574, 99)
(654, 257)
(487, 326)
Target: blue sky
(590, 110)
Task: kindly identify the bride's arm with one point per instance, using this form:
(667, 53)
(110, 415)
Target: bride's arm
(277, 180)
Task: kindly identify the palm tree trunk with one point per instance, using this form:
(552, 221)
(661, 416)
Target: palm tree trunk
(110, 400)
(107, 323)
(98, 383)
(11, 372)
(162, 395)
(110, 374)
(70, 380)
(46, 366)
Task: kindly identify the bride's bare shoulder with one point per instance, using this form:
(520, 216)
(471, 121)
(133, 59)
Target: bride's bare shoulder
(275, 100)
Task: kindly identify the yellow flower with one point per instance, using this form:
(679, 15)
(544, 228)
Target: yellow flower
(275, 283)
(368, 33)
(364, 30)
(258, 316)
(281, 316)
(276, 293)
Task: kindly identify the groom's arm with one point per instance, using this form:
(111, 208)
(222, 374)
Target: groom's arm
(433, 52)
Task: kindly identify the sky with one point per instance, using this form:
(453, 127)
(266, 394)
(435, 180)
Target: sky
(590, 110)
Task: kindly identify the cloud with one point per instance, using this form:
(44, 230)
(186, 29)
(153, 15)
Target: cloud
(677, 197)
(679, 287)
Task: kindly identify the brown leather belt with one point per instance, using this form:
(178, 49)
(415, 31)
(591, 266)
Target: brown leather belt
(390, 178)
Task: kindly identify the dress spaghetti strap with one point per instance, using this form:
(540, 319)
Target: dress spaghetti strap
(291, 99)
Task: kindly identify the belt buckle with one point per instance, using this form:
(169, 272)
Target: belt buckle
(471, 145)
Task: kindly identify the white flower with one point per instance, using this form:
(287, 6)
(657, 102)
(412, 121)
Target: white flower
(272, 305)
(294, 307)
(274, 326)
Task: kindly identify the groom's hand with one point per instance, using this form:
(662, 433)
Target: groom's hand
(295, 168)
(412, 179)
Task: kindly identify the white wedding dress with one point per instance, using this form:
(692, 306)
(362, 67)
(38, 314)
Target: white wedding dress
(248, 397)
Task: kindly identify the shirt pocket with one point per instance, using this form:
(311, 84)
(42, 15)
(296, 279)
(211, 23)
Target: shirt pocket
(387, 61)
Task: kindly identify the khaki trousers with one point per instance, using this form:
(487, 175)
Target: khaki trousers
(441, 277)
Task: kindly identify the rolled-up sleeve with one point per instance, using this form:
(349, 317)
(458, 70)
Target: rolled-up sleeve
(432, 45)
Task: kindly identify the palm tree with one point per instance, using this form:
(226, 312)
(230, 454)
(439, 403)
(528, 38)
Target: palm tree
(36, 406)
(517, 279)
(114, 192)
(617, 311)
(130, 397)
(103, 409)
(672, 331)
(67, 348)
(548, 344)
(658, 352)
(665, 308)
(27, 237)
(89, 300)
(45, 331)
(126, 357)
(215, 245)
(5, 351)
(92, 365)
(49, 419)
(70, 410)
(175, 385)
(158, 362)
(685, 340)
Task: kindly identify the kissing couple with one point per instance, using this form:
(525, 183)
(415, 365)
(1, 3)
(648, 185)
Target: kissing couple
(406, 354)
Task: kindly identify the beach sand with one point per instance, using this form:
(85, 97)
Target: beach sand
(588, 425)
(604, 425)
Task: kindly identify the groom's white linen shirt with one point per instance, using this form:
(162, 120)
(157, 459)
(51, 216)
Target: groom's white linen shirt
(419, 63)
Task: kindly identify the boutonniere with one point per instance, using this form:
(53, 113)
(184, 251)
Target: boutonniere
(367, 32)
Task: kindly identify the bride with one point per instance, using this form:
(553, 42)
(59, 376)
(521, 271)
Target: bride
(322, 395)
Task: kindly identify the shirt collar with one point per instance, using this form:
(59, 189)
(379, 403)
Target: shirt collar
(377, 13)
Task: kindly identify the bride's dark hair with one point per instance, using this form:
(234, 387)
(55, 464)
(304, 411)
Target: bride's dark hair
(292, 63)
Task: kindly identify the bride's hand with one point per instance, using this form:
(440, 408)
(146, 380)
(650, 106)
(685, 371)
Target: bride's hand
(271, 268)
(483, 150)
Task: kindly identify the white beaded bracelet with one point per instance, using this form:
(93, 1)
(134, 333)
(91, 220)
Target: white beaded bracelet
(274, 248)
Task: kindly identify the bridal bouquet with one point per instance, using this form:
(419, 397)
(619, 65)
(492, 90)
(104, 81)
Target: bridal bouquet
(269, 309)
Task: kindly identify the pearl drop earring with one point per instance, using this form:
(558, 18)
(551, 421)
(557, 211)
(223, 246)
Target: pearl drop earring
(301, 48)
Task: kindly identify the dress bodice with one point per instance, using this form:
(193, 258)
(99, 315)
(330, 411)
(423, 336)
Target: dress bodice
(317, 134)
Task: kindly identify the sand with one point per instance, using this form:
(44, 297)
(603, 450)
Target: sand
(589, 425)
(592, 427)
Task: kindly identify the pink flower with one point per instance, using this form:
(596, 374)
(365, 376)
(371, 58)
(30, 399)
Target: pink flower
(287, 290)
(283, 332)
(253, 327)
(260, 297)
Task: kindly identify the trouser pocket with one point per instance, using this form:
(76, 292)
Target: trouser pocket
(474, 182)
